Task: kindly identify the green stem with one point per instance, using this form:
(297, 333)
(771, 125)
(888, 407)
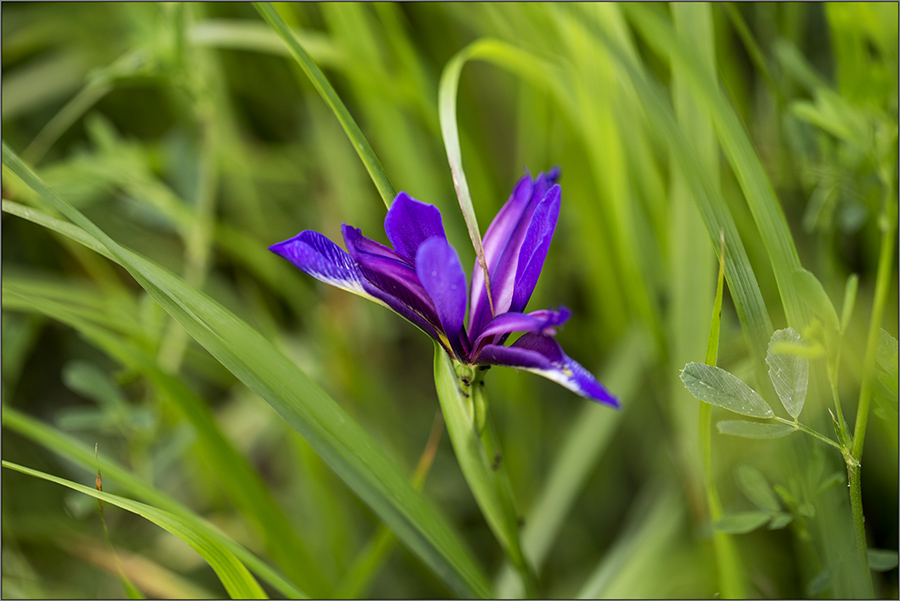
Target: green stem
(491, 442)
(887, 222)
(798, 426)
(882, 283)
(859, 523)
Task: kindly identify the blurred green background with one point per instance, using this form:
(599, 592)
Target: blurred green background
(188, 134)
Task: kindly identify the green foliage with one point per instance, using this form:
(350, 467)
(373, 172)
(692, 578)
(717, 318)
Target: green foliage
(165, 146)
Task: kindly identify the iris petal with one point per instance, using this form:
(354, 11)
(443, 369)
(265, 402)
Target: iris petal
(393, 280)
(503, 244)
(542, 355)
(534, 248)
(497, 329)
(321, 258)
(443, 278)
(410, 222)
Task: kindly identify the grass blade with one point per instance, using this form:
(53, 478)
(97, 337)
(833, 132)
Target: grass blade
(72, 450)
(322, 85)
(237, 580)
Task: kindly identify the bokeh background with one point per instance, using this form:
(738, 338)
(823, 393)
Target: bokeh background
(188, 134)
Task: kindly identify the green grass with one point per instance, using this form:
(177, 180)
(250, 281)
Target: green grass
(152, 153)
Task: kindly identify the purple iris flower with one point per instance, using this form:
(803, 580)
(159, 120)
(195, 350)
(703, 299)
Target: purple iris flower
(422, 279)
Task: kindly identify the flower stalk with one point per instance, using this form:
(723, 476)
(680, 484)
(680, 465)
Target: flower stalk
(464, 404)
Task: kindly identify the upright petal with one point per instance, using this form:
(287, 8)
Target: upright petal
(321, 258)
(534, 248)
(443, 278)
(503, 243)
(495, 240)
(542, 355)
(409, 223)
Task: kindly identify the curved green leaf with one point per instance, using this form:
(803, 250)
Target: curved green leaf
(237, 580)
(65, 446)
(514, 59)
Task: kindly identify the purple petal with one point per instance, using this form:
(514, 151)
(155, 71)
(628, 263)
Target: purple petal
(497, 329)
(388, 277)
(321, 258)
(534, 248)
(542, 355)
(443, 278)
(409, 223)
(503, 243)
(358, 244)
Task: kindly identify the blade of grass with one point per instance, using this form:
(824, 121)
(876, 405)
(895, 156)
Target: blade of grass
(72, 450)
(610, 125)
(255, 36)
(337, 438)
(237, 580)
(322, 85)
(692, 261)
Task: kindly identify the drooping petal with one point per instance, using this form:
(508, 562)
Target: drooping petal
(503, 243)
(410, 222)
(321, 258)
(390, 278)
(542, 355)
(443, 278)
(544, 321)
